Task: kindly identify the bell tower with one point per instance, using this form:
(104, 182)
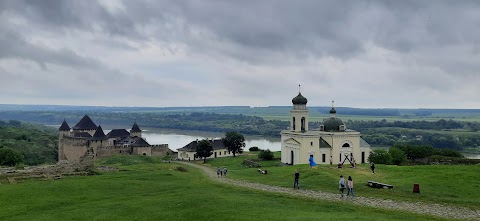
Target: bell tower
(299, 113)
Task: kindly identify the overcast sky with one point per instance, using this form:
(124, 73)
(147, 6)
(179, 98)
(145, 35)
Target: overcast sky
(407, 54)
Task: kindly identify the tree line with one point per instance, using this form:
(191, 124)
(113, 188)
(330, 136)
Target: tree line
(24, 143)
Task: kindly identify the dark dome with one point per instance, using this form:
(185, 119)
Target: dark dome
(333, 111)
(333, 124)
(299, 99)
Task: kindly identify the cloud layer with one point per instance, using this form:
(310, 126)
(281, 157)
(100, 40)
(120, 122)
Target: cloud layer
(202, 53)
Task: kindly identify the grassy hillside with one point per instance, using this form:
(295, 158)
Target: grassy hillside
(150, 190)
(450, 184)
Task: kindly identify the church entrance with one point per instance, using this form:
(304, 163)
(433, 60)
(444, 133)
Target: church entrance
(215, 154)
(291, 155)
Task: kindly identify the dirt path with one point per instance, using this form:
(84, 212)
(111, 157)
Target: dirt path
(415, 207)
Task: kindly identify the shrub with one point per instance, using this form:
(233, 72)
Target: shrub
(397, 155)
(253, 149)
(380, 157)
(181, 169)
(265, 155)
(10, 157)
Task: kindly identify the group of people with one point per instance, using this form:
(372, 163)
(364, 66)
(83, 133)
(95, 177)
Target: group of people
(221, 172)
(342, 185)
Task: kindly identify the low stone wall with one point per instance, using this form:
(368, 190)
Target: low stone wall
(112, 150)
(161, 149)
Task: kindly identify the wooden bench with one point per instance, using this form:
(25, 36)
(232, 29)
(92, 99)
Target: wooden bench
(379, 185)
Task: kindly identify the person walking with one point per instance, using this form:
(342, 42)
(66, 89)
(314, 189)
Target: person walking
(373, 168)
(224, 171)
(350, 186)
(297, 177)
(341, 185)
(219, 171)
(331, 162)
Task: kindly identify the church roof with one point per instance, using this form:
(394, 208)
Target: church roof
(135, 128)
(64, 126)
(299, 99)
(363, 143)
(118, 133)
(99, 134)
(192, 146)
(333, 124)
(324, 144)
(85, 124)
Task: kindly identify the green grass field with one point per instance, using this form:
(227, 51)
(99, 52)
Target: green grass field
(447, 184)
(147, 189)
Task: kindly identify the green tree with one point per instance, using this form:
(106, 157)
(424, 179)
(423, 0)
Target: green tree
(10, 157)
(204, 149)
(234, 142)
(397, 155)
(253, 149)
(380, 157)
(265, 154)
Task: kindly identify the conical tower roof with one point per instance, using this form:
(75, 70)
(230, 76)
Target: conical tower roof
(99, 134)
(85, 124)
(64, 126)
(135, 128)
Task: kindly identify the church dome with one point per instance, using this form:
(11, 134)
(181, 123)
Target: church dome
(333, 124)
(299, 99)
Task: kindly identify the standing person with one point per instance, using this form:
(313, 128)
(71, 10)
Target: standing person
(341, 185)
(225, 171)
(373, 168)
(331, 162)
(350, 186)
(219, 171)
(297, 177)
(312, 162)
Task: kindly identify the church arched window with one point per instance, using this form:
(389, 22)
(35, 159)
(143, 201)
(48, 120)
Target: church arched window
(303, 124)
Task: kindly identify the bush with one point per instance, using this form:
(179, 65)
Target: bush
(380, 157)
(253, 149)
(265, 155)
(397, 155)
(10, 157)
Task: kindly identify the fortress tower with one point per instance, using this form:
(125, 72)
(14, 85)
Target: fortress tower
(85, 125)
(135, 131)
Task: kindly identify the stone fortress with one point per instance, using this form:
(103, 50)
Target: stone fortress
(86, 139)
(331, 141)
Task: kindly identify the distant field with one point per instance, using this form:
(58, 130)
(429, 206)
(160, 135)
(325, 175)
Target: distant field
(150, 190)
(320, 118)
(438, 183)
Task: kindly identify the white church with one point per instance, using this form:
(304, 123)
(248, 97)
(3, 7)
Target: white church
(332, 140)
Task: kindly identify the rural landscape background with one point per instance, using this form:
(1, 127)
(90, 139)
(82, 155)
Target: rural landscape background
(404, 74)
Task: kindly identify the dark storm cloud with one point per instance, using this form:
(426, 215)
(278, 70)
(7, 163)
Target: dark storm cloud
(406, 47)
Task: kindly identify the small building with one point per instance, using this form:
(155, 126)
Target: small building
(188, 152)
(332, 141)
